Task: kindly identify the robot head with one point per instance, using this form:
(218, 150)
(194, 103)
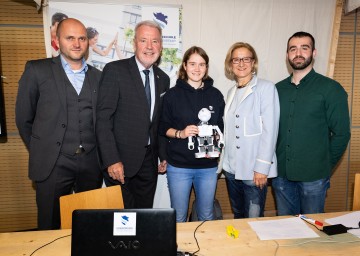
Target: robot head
(204, 115)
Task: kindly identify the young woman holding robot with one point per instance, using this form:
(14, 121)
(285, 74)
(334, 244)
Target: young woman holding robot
(193, 92)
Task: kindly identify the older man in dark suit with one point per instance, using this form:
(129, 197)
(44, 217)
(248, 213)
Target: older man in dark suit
(55, 115)
(128, 113)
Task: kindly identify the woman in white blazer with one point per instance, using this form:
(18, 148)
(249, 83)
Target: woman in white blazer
(251, 126)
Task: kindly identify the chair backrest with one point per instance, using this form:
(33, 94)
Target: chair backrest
(103, 198)
(356, 202)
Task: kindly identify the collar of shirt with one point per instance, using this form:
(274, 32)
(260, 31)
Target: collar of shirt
(304, 79)
(76, 77)
(152, 86)
(141, 68)
(68, 69)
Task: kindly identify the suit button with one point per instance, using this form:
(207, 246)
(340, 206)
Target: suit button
(237, 147)
(237, 137)
(237, 116)
(58, 143)
(236, 126)
(63, 125)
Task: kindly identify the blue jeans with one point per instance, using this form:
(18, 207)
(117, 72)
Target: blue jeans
(246, 199)
(296, 197)
(180, 181)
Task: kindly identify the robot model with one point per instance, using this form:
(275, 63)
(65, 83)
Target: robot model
(206, 137)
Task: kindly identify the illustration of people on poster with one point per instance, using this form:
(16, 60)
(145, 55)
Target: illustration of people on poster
(110, 29)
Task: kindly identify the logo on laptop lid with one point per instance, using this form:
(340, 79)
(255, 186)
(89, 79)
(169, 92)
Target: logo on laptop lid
(124, 224)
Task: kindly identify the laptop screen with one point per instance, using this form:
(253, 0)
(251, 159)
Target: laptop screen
(123, 232)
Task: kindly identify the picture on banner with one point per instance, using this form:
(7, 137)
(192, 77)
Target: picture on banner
(110, 29)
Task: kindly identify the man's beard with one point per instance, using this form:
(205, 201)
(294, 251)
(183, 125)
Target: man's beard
(300, 66)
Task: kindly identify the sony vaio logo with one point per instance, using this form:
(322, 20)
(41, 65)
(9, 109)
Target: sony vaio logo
(126, 245)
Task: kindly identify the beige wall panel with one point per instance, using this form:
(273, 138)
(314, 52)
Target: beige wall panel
(21, 39)
(19, 12)
(347, 22)
(17, 46)
(343, 64)
(354, 163)
(335, 200)
(356, 89)
(17, 200)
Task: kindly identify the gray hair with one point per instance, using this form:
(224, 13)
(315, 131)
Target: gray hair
(148, 23)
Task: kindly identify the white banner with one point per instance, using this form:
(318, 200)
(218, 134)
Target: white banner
(113, 26)
(168, 19)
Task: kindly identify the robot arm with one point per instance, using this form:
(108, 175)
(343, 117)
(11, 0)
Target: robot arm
(221, 139)
(190, 143)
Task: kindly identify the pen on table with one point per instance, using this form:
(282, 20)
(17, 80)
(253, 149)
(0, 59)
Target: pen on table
(311, 221)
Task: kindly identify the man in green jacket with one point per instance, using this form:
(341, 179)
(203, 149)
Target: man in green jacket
(313, 134)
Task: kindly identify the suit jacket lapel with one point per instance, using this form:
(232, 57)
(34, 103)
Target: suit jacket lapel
(92, 80)
(59, 74)
(229, 100)
(231, 95)
(157, 82)
(139, 86)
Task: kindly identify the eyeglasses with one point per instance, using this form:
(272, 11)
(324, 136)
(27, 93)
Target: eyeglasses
(238, 60)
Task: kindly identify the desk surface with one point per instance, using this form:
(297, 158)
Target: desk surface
(212, 238)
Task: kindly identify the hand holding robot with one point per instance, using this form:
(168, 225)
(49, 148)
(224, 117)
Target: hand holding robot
(206, 137)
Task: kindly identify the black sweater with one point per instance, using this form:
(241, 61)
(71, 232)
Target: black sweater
(181, 106)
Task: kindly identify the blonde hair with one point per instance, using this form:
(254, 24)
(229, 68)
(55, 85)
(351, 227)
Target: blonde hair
(228, 60)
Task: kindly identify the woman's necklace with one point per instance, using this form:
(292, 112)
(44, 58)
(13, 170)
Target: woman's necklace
(244, 85)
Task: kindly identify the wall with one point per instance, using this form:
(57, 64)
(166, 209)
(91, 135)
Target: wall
(21, 39)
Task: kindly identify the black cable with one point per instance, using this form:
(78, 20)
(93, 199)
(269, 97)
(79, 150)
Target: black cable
(48, 244)
(197, 243)
(350, 228)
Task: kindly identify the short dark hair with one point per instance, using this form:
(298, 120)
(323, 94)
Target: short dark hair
(198, 50)
(57, 17)
(91, 32)
(302, 34)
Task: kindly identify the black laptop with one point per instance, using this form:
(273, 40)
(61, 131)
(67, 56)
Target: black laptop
(124, 232)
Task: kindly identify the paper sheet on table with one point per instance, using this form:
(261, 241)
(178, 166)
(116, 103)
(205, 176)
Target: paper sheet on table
(290, 228)
(348, 220)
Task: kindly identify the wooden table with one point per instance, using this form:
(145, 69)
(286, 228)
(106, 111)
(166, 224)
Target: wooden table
(212, 238)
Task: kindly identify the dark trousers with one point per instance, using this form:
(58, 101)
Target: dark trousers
(246, 199)
(139, 190)
(77, 173)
